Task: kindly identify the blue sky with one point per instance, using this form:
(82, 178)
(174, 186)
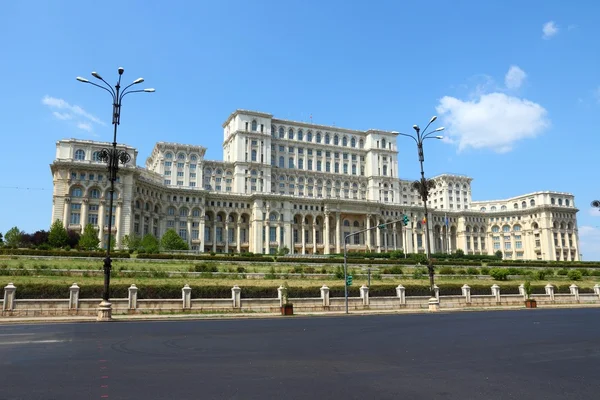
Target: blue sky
(517, 84)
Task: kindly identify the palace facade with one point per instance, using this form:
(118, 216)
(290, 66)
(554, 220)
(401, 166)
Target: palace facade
(305, 187)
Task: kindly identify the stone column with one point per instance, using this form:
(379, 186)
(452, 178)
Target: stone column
(201, 233)
(133, 293)
(338, 232)
(395, 236)
(325, 295)
(378, 238)
(368, 236)
(101, 212)
(227, 237)
(66, 220)
(84, 214)
(267, 236)
(9, 297)
(238, 235)
(118, 225)
(303, 236)
(186, 294)
(401, 293)
(280, 243)
(214, 235)
(326, 234)
(314, 237)
(236, 296)
(74, 297)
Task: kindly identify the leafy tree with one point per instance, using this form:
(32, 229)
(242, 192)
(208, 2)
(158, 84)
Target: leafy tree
(89, 240)
(132, 242)
(459, 253)
(58, 236)
(13, 237)
(73, 239)
(1, 239)
(39, 238)
(172, 241)
(150, 244)
(498, 254)
(282, 251)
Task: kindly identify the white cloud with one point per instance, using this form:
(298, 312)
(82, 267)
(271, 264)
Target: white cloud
(594, 212)
(69, 111)
(86, 126)
(62, 116)
(549, 29)
(589, 237)
(514, 77)
(494, 121)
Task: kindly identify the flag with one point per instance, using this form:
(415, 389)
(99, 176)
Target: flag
(424, 220)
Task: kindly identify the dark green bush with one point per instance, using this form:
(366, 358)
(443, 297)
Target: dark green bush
(574, 275)
(446, 271)
(499, 274)
(472, 271)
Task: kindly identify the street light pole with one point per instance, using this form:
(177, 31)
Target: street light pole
(380, 226)
(112, 157)
(423, 186)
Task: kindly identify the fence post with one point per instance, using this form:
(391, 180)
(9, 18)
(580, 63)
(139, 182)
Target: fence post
(597, 290)
(235, 296)
(9, 297)
(466, 291)
(186, 294)
(133, 293)
(436, 291)
(325, 295)
(364, 294)
(401, 293)
(522, 290)
(280, 290)
(74, 297)
(496, 292)
(550, 291)
(575, 291)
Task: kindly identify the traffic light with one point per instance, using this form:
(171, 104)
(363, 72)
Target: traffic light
(405, 219)
(349, 280)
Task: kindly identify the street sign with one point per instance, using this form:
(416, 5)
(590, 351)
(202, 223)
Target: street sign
(349, 280)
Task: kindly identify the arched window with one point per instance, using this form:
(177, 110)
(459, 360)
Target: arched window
(383, 143)
(506, 228)
(76, 192)
(503, 208)
(515, 206)
(196, 212)
(336, 140)
(495, 229)
(493, 208)
(95, 194)
(193, 157)
(353, 142)
(318, 137)
(560, 202)
(532, 202)
(281, 162)
(361, 144)
(171, 211)
(517, 228)
(273, 217)
(169, 156)
(346, 222)
(567, 203)
(309, 136)
(281, 132)
(253, 155)
(482, 209)
(290, 133)
(327, 139)
(96, 156)
(254, 125)
(300, 135)
(523, 204)
(291, 163)
(552, 201)
(183, 212)
(181, 156)
(344, 141)
(273, 130)
(80, 155)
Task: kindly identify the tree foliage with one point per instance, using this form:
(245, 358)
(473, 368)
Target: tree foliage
(172, 241)
(58, 236)
(89, 240)
(150, 244)
(13, 237)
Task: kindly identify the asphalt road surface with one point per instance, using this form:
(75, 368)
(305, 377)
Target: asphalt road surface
(526, 354)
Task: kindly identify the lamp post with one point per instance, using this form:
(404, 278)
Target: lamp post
(348, 236)
(423, 186)
(112, 157)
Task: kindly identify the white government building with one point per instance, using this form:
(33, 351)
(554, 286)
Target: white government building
(302, 186)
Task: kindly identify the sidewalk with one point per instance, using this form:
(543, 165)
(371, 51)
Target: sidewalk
(242, 315)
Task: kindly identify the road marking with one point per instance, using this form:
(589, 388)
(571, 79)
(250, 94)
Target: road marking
(17, 334)
(34, 342)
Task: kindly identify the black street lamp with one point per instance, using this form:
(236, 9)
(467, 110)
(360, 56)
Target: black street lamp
(112, 156)
(423, 186)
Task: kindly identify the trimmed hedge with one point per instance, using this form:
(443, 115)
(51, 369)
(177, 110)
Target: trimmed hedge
(204, 258)
(61, 253)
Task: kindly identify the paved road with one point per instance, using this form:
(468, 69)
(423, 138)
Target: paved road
(535, 354)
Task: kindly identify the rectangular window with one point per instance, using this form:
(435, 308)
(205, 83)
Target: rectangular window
(93, 219)
(183, 234)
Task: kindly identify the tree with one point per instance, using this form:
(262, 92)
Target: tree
(13, 237)
(282, 251)
(73, 239)
(132, 242)
(498, 254)
(39, 238)
(89, 240)
(172, 241)
(58, 236)
(459, 253)
(1, 239)
(150, 244)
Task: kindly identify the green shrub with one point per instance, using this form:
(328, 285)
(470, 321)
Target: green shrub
(472, 271)
(485, 271)
(562, 272)
(499, 274)
(419, 273)
(446, 271)
(574, 275)
(204, 267)
(584, 271)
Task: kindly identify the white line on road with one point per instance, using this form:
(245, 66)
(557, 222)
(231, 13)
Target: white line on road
(17, 334)
(34, 342)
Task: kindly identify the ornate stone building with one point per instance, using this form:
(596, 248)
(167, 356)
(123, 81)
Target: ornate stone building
(305, 187)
